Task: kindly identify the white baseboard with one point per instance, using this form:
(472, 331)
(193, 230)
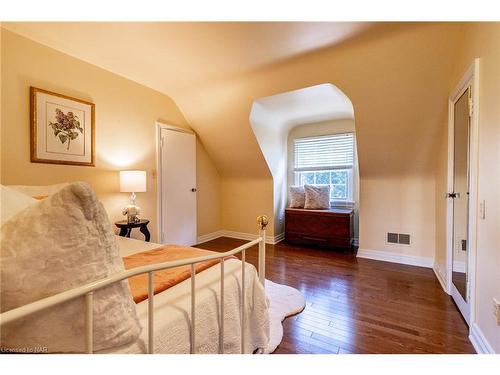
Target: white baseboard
(239, 235)
(478, 340)
(387, 256)
(209, 236)
(441, 278)
(280, 237)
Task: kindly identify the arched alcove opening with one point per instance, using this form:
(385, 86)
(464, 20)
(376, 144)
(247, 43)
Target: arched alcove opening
(309, 112)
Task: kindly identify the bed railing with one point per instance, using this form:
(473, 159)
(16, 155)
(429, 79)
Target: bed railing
(88, 291)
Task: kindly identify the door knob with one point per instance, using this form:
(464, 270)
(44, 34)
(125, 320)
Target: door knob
(193, 190)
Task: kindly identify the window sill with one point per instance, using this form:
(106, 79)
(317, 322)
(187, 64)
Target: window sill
(342, 204)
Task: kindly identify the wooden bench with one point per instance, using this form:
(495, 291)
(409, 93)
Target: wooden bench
(328, 228)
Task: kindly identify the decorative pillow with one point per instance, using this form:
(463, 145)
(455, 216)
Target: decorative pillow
(13, 202)
(60, 243)
(297, 197)
(317, 197)
(39, 192)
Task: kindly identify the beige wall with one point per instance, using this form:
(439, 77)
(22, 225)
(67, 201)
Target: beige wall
(396, 77)
(126, 113)
(483, 41)
(243, 199)
(397, 81)
(208, 192)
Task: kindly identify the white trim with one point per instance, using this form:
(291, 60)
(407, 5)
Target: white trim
(278, 238)
(387, 256)
(478, 340)
(162, 125)
(469, 79)
(441, 278)
(209, 236)
(240, 236)
(249, 236)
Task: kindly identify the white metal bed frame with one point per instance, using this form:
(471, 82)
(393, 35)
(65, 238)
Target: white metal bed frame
(88, 291)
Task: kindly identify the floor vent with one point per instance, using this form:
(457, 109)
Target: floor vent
(392, 237)
(404, 239)
(399, 238)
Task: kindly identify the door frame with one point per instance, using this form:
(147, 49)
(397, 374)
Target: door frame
(469, 79)
(159, 127)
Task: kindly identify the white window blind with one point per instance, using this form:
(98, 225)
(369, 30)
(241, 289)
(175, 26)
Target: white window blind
(324, 153)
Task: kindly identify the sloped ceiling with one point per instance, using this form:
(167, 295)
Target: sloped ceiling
(395, 75)
(173, 56)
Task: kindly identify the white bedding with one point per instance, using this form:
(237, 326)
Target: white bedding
(173, 311)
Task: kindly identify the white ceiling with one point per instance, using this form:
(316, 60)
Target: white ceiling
(274, 116)
(307, 105)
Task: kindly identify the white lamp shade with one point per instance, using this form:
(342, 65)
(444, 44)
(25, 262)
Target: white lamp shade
(132, 181)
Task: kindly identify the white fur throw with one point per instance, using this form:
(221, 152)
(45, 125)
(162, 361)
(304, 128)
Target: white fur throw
(297, 197)
(57, 244)
(317, 197)
(13, 202)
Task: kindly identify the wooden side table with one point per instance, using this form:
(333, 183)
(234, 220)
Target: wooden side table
(126, 228)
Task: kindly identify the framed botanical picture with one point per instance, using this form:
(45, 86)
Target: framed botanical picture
(62, 129)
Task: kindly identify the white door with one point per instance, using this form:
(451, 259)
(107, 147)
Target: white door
(459, 196)
(462, 191)
(177, 186)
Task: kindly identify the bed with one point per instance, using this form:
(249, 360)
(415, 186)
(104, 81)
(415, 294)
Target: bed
(185, 318)
(173, 311)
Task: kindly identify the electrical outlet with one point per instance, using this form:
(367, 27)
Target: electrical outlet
(482, 210)
(496, 309)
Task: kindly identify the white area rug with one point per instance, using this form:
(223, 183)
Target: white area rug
(283, 301)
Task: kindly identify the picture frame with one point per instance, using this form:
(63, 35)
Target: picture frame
(62, 129)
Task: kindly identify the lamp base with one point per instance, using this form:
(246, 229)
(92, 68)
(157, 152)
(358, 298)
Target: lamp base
(132, 212)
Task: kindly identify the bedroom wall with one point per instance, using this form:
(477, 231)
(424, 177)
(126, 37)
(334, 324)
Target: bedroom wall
(481, 40)
(397, 80)
(126, 113)
(396, 76)
(243, 199)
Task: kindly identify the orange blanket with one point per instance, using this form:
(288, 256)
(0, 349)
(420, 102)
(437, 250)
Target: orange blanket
(163, 279)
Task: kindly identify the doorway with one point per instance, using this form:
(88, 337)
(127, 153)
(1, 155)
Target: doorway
(461, 195)
(176, 185)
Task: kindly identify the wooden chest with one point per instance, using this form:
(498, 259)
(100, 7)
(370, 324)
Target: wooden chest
(329, 228)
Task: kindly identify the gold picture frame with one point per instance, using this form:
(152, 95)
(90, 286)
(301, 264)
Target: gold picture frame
(62, 129)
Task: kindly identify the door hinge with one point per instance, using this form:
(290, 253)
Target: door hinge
(471, 107)
(162, 141)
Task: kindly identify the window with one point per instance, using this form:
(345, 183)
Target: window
(326, 160)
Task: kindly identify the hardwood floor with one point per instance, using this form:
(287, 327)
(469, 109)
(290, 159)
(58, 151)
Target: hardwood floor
(360, 305)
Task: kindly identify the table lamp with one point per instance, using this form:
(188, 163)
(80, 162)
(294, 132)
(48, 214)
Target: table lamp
(132, 182)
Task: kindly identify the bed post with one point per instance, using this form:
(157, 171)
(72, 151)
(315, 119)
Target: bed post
(262, 220)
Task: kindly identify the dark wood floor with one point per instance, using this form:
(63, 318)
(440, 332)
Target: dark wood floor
(360, 305)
